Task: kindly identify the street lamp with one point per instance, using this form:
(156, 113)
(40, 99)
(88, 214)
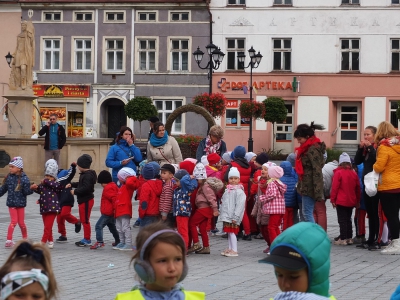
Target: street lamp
(255, 60)
(215, 59)
(8, 59)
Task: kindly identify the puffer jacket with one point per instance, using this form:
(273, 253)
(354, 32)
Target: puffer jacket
(207, 193)
(388, 164)
(16, 198)
(232, 204)
(290, 180)
(346, 188)
(327, 174)
(181, 201)
(274, 200)
(123, 203)
(48, 200)
(149, 200)
(312, 242)
(312, 183)
(108, 198)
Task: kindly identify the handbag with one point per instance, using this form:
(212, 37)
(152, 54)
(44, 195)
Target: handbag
(371, 183)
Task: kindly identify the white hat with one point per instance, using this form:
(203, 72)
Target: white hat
(234, 172)
(17, 161)
(269, 164)
(50, 162)
(249, 156)
(52, 170)
(124, 173)
(204, 160)
(199, 171)
(344, 157)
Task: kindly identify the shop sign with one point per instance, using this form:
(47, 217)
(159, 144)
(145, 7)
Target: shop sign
(60, 91)
(224, 85)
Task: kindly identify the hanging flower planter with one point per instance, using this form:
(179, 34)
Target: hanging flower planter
(252, 109)
(215, 103)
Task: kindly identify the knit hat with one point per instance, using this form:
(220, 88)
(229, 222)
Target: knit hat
(275, 172)
(192, 160)
(227, 157)
(168, 167)
(155, 166)
(262, 158)
(344, 157)
(124, 173)
(104, 177)
(188, 166)
(179, 175)
(249, 156)
(238, 152)
(199, 171)
(269, 164)
(17, 161)
(52, 170)
(148, 172)
(204, 160)
(84, 161)
(213, 159)
(233, 172)
(291, 158)
(50, 162)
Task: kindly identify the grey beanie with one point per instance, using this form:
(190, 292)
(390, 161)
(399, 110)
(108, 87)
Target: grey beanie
(227, 157)
(52, 170)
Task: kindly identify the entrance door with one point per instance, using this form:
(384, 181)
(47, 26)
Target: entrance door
(283, 131)
(116, 119)
(349, 123)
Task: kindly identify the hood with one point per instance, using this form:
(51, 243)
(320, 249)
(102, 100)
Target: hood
(156, 185)
(242, 162)
(281, 186)
(330, 167)
(287, 168)
(215, 183)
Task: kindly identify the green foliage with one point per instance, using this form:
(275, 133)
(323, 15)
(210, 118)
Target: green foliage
(333, 154)
(253, 109)
(275, 110)
(275, 154)
(191, 140)
(140, 108)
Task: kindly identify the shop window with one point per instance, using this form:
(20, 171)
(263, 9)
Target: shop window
(75, 124)
(282, 54)
(51, 16)
(114, 55)
(180, 55)
(147, 54)
(283, 2)
(179, 16)
(236, 2)
(83, 54)
(51, 54)
(395, 49)
(147, 16)
(83, 16)
(350, 54)
(235, 47)
(114, 17)
(232, 117)
(165, 108)
(356, 2)
(393, 117)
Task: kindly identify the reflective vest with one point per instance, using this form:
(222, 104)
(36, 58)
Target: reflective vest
(137, 295)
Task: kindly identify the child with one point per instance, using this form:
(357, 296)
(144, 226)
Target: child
(320, 207)
(206, 202)
(185, 185)
(232, 210)
(123, 207)
(290, 180)
(66, 204)
(108, 198)
(27, 274)
(345, 195)
(48, 201)
(17, 184)
(157, 243)
(213, 168)
(84, 190)
(167, 194)
(273, 201)
(149, 198)
(301, 259)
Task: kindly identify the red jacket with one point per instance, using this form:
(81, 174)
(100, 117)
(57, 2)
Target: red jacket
(108, 198)
(346, 189)
(254, 183)
(123, 204)
(149, 198)
(244, 176)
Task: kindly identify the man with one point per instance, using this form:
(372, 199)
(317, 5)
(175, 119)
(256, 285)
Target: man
(152, 120)
(54, 140)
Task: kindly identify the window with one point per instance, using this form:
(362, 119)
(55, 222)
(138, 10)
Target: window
(165, 108)
(350, 1)
(235, 47)
(82, 16)
(233, 118)
(83, 54)
(284, 130)
(282, 54)
(395, 49)
(236, 2)
(393, 117)
(180, 55)
(147, 16)
(114, 54)
(51, 54)
(147, 55)
(118, 17)
(180, 16)
(49, 16)
(395, 1)
(282, 2)
(350, 58)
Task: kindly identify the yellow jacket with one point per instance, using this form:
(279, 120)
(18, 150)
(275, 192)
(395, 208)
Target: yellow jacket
(388, 164)
(137, 295)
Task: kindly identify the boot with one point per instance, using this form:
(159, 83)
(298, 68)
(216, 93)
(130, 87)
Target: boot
(204, 250)
(194, 248)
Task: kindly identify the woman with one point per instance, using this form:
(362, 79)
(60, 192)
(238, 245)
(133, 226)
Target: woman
(123, 153)
(366, 154)
(388, 164)
(213, 143)
(309, 163)
(162, 148)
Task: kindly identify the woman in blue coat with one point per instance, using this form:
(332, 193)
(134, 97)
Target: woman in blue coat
(123, 153)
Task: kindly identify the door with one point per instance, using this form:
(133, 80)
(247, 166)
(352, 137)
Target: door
(284, 131)
(116, 119)
(349, 123)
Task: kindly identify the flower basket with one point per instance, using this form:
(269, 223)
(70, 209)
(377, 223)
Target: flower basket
(215, 103)
(253, 109)
(188, 144)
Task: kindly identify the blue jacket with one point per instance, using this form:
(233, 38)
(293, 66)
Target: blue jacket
(118, 153)
(181, 201)
(290, 180)
(16, 198)
(202, 145)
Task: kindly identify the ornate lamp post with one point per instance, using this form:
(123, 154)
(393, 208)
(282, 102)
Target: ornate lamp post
(8, 59)
(215, 59)
(255, 60)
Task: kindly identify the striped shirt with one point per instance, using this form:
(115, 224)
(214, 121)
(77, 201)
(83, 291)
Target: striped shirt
(166, 197)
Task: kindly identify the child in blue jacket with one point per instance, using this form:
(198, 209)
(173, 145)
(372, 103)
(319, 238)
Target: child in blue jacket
(290, 180)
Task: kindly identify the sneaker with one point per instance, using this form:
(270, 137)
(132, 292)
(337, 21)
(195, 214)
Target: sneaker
(214, 231)
(266, 250)
(115, 243)
(136, 224)
(125, 247)
(337, 238)
(78, 227)
(358, 240)
(194, 248)
(118, 246)
(231, 254)
(349, 241)
(363, 246)
(204, 250)
(9, 244)
(97, 245)
(392, 248)
(225, 251)
(247, 237)
(61, 239)
(83, 243)
(340, 242)
(374, 247)
(50, 245)
(384, 245)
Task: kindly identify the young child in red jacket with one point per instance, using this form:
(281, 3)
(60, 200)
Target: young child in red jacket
(345, 195)
(108, 197)
(123, 207)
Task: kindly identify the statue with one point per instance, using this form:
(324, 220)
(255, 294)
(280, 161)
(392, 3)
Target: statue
(21, 77)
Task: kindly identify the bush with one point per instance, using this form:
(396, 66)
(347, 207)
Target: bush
(215, 103)
(191, 140)
(253, 109)
(333, 154)
(275, 154)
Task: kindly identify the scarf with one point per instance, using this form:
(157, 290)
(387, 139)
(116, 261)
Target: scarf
(395, 140)
(210, 147)
(231, 187)
(158, 142)
(300, 151)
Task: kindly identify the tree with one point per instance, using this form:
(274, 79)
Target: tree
(140, 109)
(275, 111)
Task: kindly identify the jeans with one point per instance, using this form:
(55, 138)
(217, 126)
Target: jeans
(110, 223)
(308, 204)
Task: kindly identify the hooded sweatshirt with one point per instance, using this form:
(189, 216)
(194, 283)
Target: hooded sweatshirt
(149, 200)
(84, 188)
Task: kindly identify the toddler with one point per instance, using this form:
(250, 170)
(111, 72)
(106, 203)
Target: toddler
(290, 180)
(214, 166)
(167, 194)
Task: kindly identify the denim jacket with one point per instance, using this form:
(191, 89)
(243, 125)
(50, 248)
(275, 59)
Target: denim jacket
(181, 201)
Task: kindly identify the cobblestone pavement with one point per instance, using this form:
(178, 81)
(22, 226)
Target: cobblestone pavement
(85, 274)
